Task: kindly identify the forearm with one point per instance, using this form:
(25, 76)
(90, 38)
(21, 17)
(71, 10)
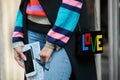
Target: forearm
(67, 19)
(17, 36)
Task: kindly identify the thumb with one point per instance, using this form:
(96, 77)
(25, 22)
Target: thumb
(23, 56)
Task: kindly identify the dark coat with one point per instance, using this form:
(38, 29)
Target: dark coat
(83, 67)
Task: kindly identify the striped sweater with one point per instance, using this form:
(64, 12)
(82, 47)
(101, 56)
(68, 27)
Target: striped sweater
(34, 8)
(67, 18)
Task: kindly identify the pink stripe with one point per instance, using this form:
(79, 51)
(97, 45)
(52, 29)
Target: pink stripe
(59, 36)
(17, 34)
(73, 3)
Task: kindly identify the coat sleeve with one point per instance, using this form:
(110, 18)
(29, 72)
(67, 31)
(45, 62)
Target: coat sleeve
(67, 19)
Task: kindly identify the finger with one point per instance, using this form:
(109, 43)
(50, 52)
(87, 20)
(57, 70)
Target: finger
(17, 56)
(18, 51)
(42, 57)
(19, 61)
(47, 59)
(21, 64)
(23, 56)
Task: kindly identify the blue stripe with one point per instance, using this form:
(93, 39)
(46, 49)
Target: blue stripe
(18, 29)
(16, 39)
(55, 41)
(67, 19)
(80, 1)
(71, 7)
(62, 31)
(19, 19)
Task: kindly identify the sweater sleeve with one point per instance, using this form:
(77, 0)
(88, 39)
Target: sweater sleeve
(67, 19)
(17, 36)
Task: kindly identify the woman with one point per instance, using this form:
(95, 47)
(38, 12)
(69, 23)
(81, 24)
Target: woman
(52, 23)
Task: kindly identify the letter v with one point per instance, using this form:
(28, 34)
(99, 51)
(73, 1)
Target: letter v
(93, 47)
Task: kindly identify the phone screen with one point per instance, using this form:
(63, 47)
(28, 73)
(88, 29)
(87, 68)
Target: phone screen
(29, 67)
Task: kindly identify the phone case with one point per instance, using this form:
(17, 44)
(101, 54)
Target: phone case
(35, 48)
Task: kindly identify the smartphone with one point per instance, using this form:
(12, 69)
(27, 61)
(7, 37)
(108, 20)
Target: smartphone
(29, 63)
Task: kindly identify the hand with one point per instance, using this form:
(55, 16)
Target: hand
(45, 54)
(19, 56)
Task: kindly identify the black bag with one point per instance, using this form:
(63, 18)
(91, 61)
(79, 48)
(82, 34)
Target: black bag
(86, 41)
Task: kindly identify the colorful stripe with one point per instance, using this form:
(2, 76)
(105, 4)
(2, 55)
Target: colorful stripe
(35, 8)
(18, 29)
(55, 41)
(17, 34)
(33, 2)
(36, 13)
(80, 1)
(67, 22)
(19, 19)
(59, 36)
(71, 8)
(62, 31)
(73, 3)
(16, 39)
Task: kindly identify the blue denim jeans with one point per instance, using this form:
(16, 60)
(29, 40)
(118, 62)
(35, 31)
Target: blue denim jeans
(59, 65)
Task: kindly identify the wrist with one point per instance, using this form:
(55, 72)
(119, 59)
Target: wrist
(17, 44)
(50, 45)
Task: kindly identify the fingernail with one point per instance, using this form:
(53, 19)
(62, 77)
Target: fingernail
(25, 59)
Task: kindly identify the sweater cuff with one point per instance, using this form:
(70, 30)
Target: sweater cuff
(52, 46)
(17, 44)
(57, 48)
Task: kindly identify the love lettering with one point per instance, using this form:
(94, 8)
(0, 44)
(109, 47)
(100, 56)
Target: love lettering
(92, 42)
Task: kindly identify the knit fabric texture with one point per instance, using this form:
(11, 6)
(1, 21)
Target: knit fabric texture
(66, 21)
(34, 8)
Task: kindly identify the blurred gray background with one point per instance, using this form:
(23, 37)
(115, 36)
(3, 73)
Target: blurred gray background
(9, 69)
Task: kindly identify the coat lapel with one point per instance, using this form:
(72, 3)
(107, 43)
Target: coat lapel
(51, 8)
